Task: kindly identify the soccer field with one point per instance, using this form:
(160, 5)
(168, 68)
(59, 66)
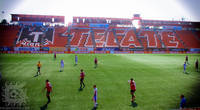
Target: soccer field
(159, 80)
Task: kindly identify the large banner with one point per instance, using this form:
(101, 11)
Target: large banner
(98, 25)
(35, 37)
(27, 48)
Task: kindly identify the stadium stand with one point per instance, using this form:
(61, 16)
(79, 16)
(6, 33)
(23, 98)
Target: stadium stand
(110, 40)
(170, 40)
(149, 39)
(80, 38)
(8, 35)
(196, 34)
(100, 38)
(100, 33)
(35, 36)
(130, 40)
(188, 38)
(59, 39)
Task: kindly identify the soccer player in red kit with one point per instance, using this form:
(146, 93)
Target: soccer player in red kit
(95, 62)
(82, 76)
(133, 89)
(186, 59)
(48, 87)
(197, 65)
(55, 56)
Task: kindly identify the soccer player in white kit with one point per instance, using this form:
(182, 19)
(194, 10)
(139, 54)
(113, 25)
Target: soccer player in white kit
(61, 65)
(95, 96)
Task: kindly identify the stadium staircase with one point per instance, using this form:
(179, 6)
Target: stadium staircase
(120, 34)
(151, 34)
(106, 35)
(93, 38)
(115, 36)
(196, 35)
(188, 38)
(83, 39)
(183, 43)
(76, 37)
(141, 38)
(69, 36)
(165, 39)
(138, 38)
(19, 34)
(162, 43)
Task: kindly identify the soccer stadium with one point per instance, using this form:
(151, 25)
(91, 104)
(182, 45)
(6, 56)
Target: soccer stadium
(48, 62)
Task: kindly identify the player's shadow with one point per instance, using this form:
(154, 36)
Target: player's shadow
(134, 104)
(44, 107)
(186, 73)
(36, 75)
(80, 89)
(75, 64)
(94, 108)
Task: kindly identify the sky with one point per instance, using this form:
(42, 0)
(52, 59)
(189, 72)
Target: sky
(149, 9)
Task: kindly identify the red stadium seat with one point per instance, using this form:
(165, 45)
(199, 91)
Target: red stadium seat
(8, 35)
(189, 39)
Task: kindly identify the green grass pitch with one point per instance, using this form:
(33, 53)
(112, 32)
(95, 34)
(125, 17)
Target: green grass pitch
(159, 80)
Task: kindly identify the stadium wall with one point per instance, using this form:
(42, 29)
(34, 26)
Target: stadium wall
(97, 52)
(63, 50)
